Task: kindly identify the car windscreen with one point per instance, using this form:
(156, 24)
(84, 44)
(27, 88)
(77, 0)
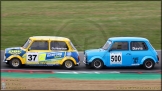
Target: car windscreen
(106, 46)
(72, 45)
(26, 44)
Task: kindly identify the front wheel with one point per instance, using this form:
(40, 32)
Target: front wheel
(148, 64)
(15, 63)
(97, 64)
(68, 64)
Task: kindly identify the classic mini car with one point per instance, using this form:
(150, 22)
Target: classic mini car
(43, 51)
(122, 51)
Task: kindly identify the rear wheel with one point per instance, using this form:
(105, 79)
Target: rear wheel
(97, 64)
(148, 64)
(68, 64)
(15, 63)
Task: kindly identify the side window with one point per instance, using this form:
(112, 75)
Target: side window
(120, 46)
(39, 45)
(59, 46)
(138, 45)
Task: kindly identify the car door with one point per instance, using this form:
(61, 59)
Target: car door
(36, 53)
(120, 54)
(58, 51)
(138, 50)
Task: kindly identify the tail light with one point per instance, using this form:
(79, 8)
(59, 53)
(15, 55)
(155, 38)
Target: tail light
(158, 57)
(78, 58)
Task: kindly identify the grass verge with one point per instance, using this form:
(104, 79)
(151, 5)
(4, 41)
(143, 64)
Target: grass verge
(87, 23)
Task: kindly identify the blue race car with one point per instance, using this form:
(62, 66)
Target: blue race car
(122, 51)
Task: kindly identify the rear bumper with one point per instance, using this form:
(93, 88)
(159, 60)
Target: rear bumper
(157, 62)
(77, 64)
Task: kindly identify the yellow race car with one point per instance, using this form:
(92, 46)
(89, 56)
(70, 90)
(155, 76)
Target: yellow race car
(43, 51)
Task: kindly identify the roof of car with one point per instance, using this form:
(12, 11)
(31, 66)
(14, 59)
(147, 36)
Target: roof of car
(49, 38)
(128, 39)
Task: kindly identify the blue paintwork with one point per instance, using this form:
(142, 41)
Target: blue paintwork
(95, 53)
(128, 57)
(52, 55)
(75, 56)
(7, 54)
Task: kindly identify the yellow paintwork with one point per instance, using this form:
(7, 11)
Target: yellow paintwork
(49, 39)
(65, 58)
(16, 56)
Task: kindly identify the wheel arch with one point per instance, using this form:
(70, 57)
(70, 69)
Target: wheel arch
(17, 57)
(68, 58)
(147, 57)
(96, 57)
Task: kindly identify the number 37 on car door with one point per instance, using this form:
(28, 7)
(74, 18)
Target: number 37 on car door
(32, 57)
(116, 58)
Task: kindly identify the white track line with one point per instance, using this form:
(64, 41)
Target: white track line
(64, 72)
(86, 72)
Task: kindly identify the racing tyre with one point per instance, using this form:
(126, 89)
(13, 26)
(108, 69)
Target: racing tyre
(15, 63)
(97, 64)
(68, 64)
(148, 64)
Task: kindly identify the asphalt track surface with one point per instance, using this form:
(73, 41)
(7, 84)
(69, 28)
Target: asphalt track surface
(83, 68)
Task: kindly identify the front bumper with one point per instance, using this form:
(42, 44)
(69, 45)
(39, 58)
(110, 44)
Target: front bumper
(4, 59)
(85, 61)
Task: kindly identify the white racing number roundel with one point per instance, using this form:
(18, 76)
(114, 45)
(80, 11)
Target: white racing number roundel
(116, 58)
(32, 57)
